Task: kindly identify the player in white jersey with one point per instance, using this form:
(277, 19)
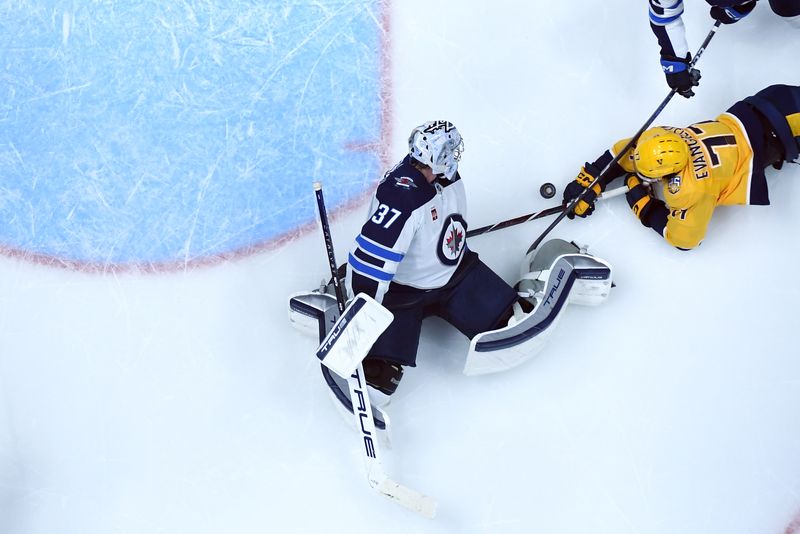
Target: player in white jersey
(667, 25)
(412, 255)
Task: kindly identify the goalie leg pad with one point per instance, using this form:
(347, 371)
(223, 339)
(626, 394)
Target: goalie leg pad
(340, 395)
(508, 347)
(592, 282)
(572, 276)
(313, 313)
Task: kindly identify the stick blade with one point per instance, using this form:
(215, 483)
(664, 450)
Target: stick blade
(413, 500)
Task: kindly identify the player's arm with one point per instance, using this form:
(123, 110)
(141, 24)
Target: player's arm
(380, 247)
(667, 25)
(681, 228)
(590, 171)
(687, 227)
(651, 211)
(624, 164)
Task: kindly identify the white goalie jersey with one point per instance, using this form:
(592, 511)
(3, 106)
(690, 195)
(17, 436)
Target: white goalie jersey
(415, 234)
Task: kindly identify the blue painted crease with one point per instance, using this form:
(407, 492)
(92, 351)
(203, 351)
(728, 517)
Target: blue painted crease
(177, 130)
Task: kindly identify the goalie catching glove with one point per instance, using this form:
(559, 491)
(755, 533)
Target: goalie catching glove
(585, 205)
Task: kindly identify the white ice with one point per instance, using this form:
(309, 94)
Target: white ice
(183, 403)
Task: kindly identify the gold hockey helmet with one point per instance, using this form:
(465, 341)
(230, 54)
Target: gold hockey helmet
(659, 153)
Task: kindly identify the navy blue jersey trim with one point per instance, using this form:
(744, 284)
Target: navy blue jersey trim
(663, 40)
(367, 258)
(759, 190)
(363, 284)
(368, 270)
(657, 216)
(414, 193)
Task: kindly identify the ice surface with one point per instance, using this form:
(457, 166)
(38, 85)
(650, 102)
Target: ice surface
(171, 131)
(183, 402)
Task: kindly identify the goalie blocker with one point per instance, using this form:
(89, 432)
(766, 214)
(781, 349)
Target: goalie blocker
(555, 274)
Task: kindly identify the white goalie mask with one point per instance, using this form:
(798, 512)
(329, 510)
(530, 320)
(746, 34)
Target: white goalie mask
(438, 145)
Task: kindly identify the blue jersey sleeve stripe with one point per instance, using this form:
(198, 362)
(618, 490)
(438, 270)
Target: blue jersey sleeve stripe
(377, 250)
(366, 270)
(661, 14)
(661, 21)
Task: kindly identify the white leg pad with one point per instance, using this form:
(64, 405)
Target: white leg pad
(570, 278)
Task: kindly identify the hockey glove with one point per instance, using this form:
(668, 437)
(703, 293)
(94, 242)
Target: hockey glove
(731, 15)
(639, 198)
(679, 76)
(585, 206)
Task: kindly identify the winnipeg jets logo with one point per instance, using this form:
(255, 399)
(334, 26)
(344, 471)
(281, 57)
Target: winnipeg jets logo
(405, 182)
(453, 239)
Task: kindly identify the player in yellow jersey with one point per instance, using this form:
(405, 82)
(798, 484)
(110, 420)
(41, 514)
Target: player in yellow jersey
(719, 162)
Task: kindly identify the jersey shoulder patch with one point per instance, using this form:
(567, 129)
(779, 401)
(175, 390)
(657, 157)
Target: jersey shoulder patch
(404, 187)
(682, 191)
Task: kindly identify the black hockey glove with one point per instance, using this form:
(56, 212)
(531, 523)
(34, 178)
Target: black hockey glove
(679, 75)
(639, 198)
(585, 206)
(731, 15)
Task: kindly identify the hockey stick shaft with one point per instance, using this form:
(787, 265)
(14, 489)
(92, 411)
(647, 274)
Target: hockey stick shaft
(362, 408)
(628, 146)
(326, 233)
(538, 215)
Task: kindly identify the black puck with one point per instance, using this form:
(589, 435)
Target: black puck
(547, 190)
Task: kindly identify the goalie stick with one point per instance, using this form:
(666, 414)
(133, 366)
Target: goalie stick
(362, 409)
(539, 214)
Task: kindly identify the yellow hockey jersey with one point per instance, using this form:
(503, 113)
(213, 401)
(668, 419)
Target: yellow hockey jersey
(719, 173)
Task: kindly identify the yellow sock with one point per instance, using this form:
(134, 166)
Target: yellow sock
(794, 123)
